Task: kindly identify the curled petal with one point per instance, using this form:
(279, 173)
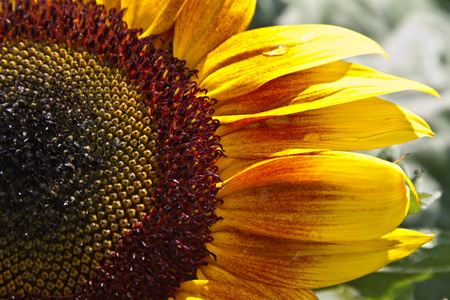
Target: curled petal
(331, 196)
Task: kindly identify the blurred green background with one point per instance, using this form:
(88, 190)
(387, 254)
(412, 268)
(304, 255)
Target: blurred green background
(416, 36)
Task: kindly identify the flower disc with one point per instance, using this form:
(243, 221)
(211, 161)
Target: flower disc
(107, 184)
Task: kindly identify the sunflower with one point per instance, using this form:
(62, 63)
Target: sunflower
(156, 149)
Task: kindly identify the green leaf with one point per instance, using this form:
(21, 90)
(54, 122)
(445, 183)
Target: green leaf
(388, 286)
(424, 200)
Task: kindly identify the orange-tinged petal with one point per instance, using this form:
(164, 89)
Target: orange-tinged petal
(108, 3)
(307, 264)
(330, 196)
(360, 125)
(216, 283)
(212, 290)
(330, 83)
(134, 11)
(228, 167)
(203, 25)
(247, 60)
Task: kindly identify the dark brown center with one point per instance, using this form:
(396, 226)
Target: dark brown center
(77, 152)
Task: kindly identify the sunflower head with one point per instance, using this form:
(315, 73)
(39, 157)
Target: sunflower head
(106, 154)
(110, 156)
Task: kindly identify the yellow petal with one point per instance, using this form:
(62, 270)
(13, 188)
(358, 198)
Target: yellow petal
(330, 83)
(249, 59)
(360, 125)
(228, 167)
(306, 264)
(108, 3)
(212, 290)
(330, 196)
(154, 17)
(203, 25)
(230, 123)
(216, 283)
(165, 17)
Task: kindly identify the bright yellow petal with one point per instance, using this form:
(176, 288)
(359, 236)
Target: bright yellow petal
(165, 17)
(230, 123)
(246, 61)
(330, 196)
(360, 125)
(154, 17)
(203, 25)
(330, 83)
(307, 264)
